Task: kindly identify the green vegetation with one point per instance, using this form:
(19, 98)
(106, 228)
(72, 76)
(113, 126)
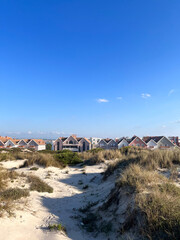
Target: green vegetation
(48, 146)
(67, 157)
(36, 184)
(59, 159)
(57, 227)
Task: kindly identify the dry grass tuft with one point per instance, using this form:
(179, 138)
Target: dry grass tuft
(8, 196)
(96, 157)
(36, 184)
(148, 159)
(14, 194)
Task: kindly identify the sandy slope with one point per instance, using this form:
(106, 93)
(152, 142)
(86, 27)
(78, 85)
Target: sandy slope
(60, 206)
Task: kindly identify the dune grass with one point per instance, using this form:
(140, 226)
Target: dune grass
(36, 184)
(148, 159)
(157, 200)
(14, 194)
(9, 195)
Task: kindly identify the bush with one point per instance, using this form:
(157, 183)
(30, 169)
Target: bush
(49, 146)
(67, 157)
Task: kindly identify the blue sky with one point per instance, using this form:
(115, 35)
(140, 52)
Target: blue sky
(93, 68)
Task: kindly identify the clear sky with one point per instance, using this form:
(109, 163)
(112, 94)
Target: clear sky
(90, 67)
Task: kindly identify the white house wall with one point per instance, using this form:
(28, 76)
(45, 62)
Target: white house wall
(123, 143)
(41, 147)
(151, 144)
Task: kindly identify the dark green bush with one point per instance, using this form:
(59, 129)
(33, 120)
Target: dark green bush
(67, 157)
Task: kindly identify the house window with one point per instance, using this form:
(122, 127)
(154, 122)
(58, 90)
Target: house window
(84, 146)
(58, 146)
(71, 142)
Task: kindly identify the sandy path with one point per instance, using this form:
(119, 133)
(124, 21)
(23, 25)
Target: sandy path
(60, 206)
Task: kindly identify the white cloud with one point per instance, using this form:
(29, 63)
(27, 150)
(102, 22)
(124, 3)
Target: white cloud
(102, 100)
(171, 92)
(145, 95)
(119, 98)
(163, 126)
(29, 132)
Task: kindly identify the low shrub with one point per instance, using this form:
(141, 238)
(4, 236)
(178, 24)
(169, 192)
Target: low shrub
(67, 157)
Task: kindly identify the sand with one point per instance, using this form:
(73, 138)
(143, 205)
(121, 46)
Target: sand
(61, 206)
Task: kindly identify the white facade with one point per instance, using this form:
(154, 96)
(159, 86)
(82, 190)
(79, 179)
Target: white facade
(152, 144)
(94, 140)
(41, 147)
(123, 143)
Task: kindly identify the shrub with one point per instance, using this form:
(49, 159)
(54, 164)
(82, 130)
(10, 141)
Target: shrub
(67, 157)
(49, 146)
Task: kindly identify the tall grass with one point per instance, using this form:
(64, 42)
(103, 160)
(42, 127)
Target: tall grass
(148, 159)
(153, 209)
(157, 200)
(98, 156)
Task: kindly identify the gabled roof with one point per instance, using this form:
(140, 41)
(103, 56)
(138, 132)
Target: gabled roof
(107, 140)
(15, 141)
(78, 139)
(5, 139)
(38, 141)
(133, 138)
(121, 139)
(129, 140)
(155, 138)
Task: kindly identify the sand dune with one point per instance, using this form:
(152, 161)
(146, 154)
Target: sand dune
(62, 205)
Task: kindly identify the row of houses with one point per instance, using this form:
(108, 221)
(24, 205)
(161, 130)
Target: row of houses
(36, 144)
(80, 144)
(151, 142)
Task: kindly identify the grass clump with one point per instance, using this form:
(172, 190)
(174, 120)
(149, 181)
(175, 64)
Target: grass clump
(14, 194)
(41, 159)
(8, 196)
(36, 184)
(98, 156)
(34, 168)
(57, 227)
